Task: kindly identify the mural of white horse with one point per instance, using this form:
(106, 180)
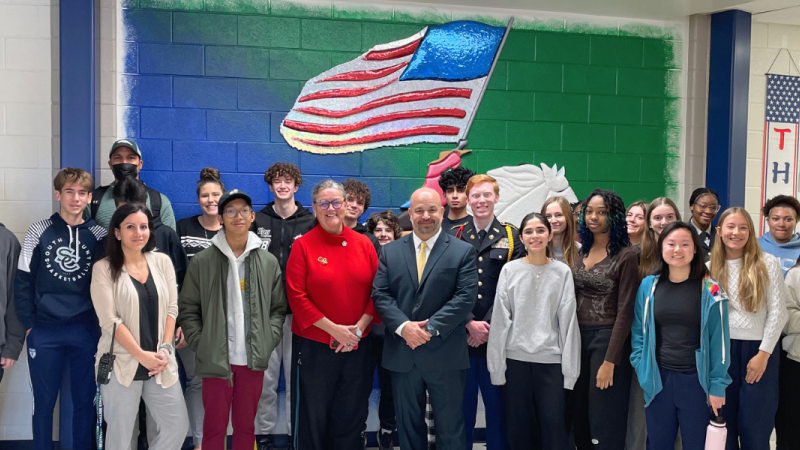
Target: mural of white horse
(525, 188)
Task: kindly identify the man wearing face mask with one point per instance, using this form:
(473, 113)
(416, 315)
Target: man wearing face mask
(125, 160)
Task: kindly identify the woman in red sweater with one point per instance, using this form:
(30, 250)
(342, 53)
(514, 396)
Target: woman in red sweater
(329, 282)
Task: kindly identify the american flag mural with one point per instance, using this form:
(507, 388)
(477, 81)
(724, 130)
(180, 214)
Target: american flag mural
(779, 172)
(425, 88)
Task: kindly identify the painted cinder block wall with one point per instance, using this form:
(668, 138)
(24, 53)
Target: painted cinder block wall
(207, 84)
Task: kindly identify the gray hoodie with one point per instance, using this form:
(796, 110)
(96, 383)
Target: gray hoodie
(236, 320)
(12, 333)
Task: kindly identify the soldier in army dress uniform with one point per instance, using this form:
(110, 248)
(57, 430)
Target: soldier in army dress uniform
(496, 243)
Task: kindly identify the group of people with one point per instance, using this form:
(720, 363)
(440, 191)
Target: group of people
(588, 325)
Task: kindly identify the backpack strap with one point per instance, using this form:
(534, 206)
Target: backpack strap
(97, 197)
(155, 202)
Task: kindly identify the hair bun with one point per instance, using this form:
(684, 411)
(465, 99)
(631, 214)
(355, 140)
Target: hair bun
(209, 174)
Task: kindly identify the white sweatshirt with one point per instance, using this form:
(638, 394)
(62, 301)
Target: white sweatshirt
(535, 325)
(236, 320)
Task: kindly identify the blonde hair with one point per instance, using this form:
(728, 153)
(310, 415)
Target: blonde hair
(568, 244)
(482, 178)
(753, 275)
(648, 259)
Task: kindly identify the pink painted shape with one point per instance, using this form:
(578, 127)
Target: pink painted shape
(435, 170)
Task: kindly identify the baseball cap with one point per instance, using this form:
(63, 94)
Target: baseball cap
(231, 195)
(125, 143)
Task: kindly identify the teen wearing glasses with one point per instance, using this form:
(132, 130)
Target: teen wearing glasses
(704, 205)
(329, 284)
(232, 308)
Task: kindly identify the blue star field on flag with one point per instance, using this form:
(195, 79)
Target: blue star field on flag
(783, 98)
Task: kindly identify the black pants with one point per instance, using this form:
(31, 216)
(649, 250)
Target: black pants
(600, 417)
(446, 389)
(332, 395)
(386, 405)
(788, 433)
(534, 398)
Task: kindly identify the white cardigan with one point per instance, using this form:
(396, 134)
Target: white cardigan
(118, 303)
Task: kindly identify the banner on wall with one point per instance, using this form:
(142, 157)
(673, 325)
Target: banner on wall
(779, 172)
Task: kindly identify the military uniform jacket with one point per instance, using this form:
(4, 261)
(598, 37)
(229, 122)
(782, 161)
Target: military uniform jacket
(501, 244)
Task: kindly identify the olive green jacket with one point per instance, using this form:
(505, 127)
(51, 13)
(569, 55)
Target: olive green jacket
(203, 310)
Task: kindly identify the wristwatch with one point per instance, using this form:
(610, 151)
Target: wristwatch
(359, 333)
(430, 329)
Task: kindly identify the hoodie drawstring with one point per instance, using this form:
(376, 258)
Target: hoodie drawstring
(721, 317)
(75, 256)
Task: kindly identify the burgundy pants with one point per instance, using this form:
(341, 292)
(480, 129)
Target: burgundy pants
(219, 397)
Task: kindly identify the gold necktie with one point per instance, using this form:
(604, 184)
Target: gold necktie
(421, 258)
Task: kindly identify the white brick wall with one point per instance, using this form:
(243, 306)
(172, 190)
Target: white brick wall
(766, 40)
(28, 124)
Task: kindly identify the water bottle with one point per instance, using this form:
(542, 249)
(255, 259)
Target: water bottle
(716, 434)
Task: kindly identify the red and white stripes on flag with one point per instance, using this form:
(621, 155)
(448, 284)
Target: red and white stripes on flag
(363, 104)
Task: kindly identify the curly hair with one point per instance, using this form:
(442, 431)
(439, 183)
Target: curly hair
(781, 200)
(283, 169)
(389, 219)
(455, 177)
(616, 226)
(359, 189)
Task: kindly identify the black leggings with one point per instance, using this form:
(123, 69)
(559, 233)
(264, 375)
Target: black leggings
(600, 416)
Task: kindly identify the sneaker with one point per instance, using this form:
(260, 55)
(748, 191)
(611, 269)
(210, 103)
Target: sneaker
(386, 441)
(265, 443)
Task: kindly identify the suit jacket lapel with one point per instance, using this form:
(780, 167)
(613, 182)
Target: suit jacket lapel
(495, 232)
(410, 254)
(438, 250)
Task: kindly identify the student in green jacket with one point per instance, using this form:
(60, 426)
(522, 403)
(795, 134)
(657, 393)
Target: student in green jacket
(232, 308)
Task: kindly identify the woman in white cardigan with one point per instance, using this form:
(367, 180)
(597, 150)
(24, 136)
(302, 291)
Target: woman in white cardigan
(134, 289)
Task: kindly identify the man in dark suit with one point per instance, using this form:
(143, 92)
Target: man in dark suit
(426, 285)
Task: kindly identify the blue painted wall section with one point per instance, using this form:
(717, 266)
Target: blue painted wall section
(728, 89)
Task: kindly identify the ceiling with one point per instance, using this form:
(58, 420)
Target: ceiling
(779, 11)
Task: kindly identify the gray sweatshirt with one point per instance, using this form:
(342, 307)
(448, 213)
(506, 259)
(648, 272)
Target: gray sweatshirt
(535, 325)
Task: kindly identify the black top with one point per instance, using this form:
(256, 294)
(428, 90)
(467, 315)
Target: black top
(447, 224)
(677, 309)
(706, 239)
(148, 320)
(193, 236)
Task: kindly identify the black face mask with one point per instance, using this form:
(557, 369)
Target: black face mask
(124, 170)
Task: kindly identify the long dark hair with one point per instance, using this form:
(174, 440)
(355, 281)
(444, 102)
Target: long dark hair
(615, 223)
(698, 267)
(116, 259)
(540, 218)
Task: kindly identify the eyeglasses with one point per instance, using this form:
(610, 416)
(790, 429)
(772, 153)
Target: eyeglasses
(232, 213)
(713, 208)
(325, 204)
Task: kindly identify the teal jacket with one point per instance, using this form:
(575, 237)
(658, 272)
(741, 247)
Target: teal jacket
(713, 357)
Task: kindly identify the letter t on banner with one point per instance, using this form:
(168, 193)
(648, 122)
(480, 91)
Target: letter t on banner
(779, 173)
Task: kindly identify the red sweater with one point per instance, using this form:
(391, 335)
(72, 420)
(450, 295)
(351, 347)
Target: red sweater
(330, 275)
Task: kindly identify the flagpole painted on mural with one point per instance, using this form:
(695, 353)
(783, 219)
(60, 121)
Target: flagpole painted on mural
(425, 88)
(779, 170)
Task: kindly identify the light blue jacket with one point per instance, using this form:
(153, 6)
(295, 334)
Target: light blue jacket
(713, 357)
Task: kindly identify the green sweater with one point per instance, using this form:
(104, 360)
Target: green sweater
(203, 310)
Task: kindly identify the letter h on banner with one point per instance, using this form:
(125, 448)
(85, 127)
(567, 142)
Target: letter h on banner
(779, 172)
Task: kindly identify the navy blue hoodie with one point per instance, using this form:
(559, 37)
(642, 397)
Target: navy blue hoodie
(54, 272)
